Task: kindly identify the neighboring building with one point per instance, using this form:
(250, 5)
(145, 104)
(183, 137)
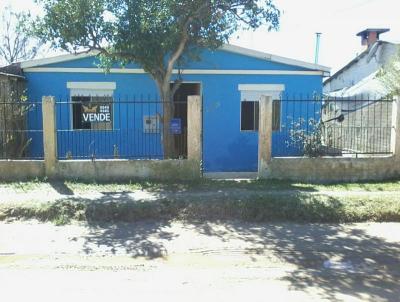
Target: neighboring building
(230, 80)
(356, 93)
(358, 77)
(13, 69)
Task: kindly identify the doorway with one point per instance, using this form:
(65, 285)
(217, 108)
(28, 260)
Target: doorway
(180, 116)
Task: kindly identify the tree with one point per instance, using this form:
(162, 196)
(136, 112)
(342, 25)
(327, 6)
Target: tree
(15, 44)
(389, 75)
(159, 35)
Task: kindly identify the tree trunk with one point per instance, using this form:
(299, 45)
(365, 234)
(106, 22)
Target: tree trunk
(168, 114)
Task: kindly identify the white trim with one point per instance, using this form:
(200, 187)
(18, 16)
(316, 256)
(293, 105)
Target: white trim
(92, 85)
(262, 87)
(226, 47)
(91, 92)
(273, 58)
(187, 71)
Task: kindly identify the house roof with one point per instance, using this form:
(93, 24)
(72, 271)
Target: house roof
(226, 47)
(370, 87)
(369, 51)
(12, 70)
(369, 30)
(273, 58)
(8, 75)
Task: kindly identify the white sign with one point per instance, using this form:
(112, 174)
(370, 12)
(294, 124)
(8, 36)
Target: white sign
(96, 113)
(97, 117)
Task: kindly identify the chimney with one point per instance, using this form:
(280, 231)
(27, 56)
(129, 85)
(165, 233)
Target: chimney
(371, 35)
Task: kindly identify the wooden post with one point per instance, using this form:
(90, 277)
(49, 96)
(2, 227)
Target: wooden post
(195, 128)
(264, 135)
(395, 137)
(49, 135)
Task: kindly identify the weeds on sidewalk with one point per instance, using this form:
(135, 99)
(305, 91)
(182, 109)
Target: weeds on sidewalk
(295, 207)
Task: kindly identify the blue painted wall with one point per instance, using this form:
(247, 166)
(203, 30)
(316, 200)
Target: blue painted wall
(225, 147)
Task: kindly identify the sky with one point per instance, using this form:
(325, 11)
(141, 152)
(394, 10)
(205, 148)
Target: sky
(338, 20)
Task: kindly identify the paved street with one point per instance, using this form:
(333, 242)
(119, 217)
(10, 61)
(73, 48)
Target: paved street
(173, 261)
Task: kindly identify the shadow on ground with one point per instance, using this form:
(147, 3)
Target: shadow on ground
(61, 188)
(137, 240)
(333, 258)
(336, 259)
(203, 185)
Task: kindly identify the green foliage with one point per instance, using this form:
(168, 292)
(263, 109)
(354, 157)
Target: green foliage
(389, 75)
(13, 116)
(309, 138)
(157, 34)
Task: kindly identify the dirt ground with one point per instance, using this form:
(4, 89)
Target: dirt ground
(175, 261)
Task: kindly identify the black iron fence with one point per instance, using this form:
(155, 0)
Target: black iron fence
(108, 128)
(333, 127)
(147, 128)
(21, 130)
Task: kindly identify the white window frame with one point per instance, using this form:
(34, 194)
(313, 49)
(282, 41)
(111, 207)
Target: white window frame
(258, 90)
(91, 89)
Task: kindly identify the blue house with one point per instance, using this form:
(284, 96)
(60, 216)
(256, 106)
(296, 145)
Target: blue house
(230, 80)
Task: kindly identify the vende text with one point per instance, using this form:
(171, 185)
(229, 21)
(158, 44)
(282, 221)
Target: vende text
(97, 117)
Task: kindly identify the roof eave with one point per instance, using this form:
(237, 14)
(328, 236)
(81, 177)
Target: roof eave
(57, 59)
(10, 75)
(226, 47)
(355, 60)
(273, 58)
(348, 65)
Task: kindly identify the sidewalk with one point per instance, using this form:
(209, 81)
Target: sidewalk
(174, 261)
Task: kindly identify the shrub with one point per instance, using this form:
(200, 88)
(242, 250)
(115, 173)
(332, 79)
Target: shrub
(308, 137)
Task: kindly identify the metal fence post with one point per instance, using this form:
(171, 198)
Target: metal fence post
(195, 128)
(49, 135)
(264, 135)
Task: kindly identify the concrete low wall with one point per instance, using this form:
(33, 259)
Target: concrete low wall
(333, 169)
(102, 170)
(21, 169)
(118, 170)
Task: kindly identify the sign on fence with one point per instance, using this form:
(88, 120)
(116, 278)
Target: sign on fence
(96, 113)
(175, 126)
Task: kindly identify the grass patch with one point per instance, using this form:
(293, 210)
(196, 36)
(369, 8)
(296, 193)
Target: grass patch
(216, 185)
(204, 185)
(24, 186)
(300, 207)
(295, 204)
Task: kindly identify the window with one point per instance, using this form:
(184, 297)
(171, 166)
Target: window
(92, 105)
(276, 115)
(250, 115)
(92, 112)
(250, 96)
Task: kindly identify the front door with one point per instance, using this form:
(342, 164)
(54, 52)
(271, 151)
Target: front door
(180, 116)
